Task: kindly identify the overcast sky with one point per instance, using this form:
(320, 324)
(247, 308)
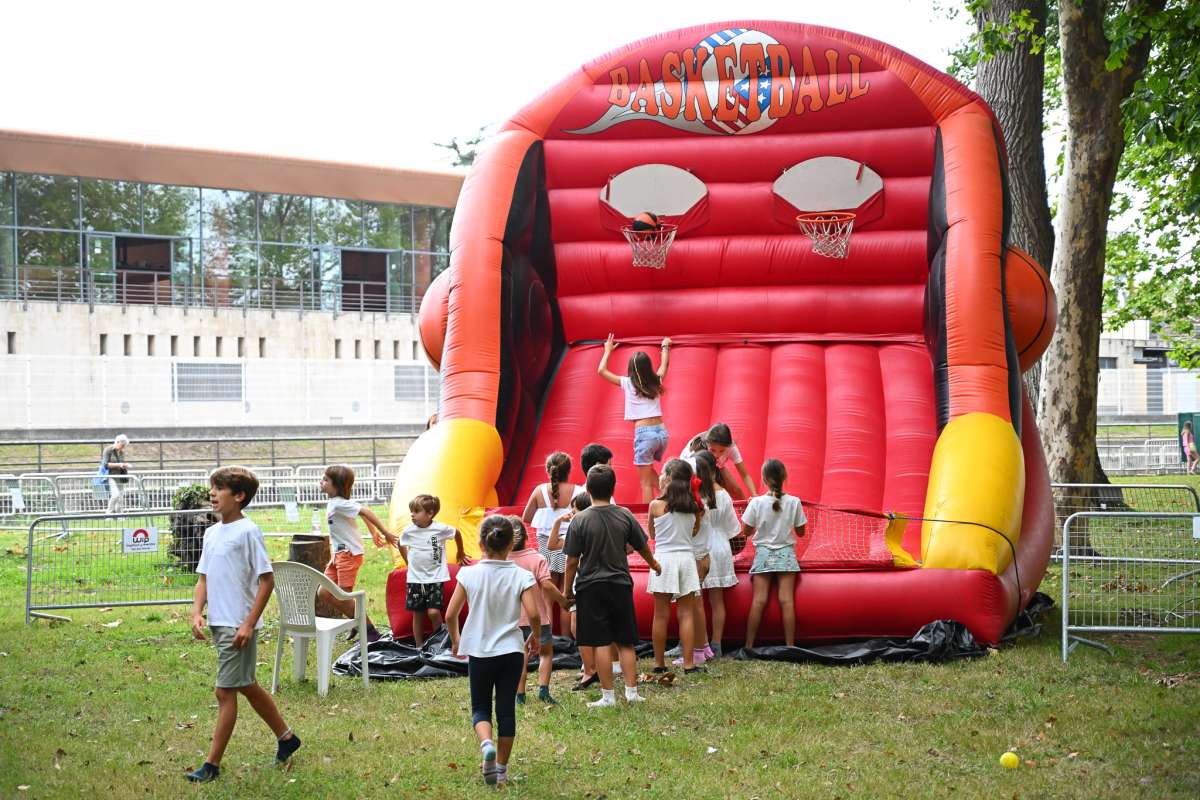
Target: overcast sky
(374, 83)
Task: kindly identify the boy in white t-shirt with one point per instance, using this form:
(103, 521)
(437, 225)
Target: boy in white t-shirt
(235, 581)
(423, 547)
(345, 543)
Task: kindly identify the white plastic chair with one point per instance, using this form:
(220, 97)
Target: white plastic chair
(296, 587)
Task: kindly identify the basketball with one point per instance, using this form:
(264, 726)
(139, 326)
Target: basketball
(646, 221)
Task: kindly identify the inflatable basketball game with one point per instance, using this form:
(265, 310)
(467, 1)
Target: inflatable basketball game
(887, 376)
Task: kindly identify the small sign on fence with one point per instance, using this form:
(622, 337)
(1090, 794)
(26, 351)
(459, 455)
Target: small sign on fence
(140, 540)
(290, 509)
(18, 499)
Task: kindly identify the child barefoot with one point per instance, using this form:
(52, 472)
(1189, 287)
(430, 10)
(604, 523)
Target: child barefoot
(531, 560)
(235, 581)
(674, 521)
(342, 515)
(496, 590)
(643, 388)
(771, 519)
(423, 547)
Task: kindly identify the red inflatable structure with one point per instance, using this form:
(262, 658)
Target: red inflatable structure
(888, 381)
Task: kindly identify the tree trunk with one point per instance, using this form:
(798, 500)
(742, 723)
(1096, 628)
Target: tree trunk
(1095, 142)
(1012, 84)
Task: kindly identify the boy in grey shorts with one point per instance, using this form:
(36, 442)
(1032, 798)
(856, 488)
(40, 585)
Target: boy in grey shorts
(235, 582)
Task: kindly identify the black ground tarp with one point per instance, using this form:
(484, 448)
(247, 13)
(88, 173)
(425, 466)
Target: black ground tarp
(943, 640)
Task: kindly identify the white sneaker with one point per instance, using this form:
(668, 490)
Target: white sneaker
(603, 702)
(634, 698)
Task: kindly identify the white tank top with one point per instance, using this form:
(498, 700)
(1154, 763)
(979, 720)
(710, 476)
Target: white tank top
(673, 532)
(638, 407)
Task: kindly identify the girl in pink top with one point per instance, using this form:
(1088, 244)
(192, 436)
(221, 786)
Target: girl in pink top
(532, 560)
(1188, 438)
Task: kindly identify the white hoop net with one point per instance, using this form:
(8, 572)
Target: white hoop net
(650, 247)
(829, 231)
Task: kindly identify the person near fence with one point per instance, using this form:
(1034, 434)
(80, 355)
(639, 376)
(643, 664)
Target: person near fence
(235, 581)
(769, 521)
(598, 573)
(1188, 438)
(341, 514)
(423, 547)
(496, 591)
(114, 465)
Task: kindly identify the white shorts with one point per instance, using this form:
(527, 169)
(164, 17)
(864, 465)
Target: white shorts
(679, 576)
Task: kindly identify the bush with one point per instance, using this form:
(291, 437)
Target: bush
(187, 532)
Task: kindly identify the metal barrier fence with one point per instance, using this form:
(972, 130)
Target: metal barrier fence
(1129, 572)
(1149, 455)
(101, 560)
(1070, 498)
(25, 497)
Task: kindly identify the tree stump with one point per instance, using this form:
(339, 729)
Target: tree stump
(313, 551)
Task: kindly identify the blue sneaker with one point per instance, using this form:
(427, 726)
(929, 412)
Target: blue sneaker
(204, 773)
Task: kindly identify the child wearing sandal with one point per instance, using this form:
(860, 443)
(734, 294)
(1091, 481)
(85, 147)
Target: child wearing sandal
(529, 559)
(771, 520)
(235, 581)
(496, 591)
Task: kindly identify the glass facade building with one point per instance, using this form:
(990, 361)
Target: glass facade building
(78, 239)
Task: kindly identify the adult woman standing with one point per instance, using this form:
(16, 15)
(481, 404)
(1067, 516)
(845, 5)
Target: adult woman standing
(113, 464)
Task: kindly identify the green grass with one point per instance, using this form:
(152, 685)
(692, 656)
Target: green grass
(89, 707)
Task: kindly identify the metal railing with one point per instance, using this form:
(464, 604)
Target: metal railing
(1129, 572)
(173, 456)
(1072, 498)
(1158, 455)
(151, 287)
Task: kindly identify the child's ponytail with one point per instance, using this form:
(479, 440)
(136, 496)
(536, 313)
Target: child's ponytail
(678, 494)
(706, 471)
(495, 534)
(774, 474)
(558, 468)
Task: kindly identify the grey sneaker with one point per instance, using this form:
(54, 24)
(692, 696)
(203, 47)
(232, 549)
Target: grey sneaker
(674, 652)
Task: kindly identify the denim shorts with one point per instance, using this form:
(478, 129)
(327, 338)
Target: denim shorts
(649, 444)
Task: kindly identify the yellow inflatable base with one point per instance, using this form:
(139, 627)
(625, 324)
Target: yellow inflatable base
(458, 461)
(976, 495)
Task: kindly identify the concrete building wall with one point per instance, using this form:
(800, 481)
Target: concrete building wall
(37, 329)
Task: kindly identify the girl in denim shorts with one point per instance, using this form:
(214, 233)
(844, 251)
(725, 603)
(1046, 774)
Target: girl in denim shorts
(643, 389)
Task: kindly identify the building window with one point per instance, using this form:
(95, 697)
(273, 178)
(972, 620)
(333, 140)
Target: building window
(149, 344)
(378, 349)
(1108, 362)
(337, 348)
(206, 383)
(416, 352)
(395, 349)
(358, 348)
(174, 346)
(414, 382)
(12, 343)
(241, 347)
(104, 344)
(196, 346)
(262, 347)
(217, 345)
(128, 344)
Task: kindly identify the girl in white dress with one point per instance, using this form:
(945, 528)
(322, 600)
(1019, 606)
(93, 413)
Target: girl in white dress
(720, 525)
(674, 519)
(547, 502)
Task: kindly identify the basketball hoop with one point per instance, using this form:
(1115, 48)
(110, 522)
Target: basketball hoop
(829, 231)
(650, 247)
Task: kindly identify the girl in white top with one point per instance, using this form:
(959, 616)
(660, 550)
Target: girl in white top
(771, 520)
(720, 524)
(345, 542)
(643, 388)
(718, 440)
(674, 519)
(496, 590)
(547, 503)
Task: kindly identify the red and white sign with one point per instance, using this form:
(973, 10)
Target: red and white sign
(140, 540)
